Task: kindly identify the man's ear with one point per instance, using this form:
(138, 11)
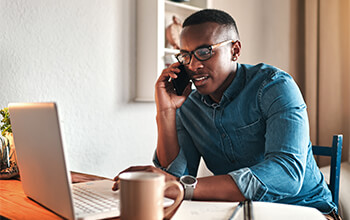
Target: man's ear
(236, 50)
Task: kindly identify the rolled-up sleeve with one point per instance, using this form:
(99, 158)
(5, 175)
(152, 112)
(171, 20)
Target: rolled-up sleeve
(250, 186)
(177, 167)
(281, 173)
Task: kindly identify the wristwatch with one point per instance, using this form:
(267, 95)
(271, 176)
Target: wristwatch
(189, 183)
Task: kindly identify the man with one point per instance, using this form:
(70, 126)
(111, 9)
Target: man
(248, 123)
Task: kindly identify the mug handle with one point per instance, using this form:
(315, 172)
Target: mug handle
(178, 199)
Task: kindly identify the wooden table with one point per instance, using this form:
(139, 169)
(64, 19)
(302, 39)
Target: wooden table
(14, 204)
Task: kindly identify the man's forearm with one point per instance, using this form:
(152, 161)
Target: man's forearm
(217, 188)
(167, 146)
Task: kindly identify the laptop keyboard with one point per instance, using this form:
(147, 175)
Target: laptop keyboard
(87, 201)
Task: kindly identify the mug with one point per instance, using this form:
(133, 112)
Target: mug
(142, 196)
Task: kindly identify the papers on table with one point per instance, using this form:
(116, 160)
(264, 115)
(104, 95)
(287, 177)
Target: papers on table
(204, 210)
(194, 210)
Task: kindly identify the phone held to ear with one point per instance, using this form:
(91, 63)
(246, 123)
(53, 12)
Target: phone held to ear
(181, 81)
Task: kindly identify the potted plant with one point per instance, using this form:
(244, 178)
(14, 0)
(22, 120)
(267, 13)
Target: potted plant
(8, 160)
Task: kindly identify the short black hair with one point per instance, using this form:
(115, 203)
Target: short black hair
(211, 15)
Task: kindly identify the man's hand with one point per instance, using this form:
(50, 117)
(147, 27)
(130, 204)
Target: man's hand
(151, 169)
(165, 95)
(170, 193)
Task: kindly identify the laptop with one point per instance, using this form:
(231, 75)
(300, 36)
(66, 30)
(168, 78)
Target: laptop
(43, 169)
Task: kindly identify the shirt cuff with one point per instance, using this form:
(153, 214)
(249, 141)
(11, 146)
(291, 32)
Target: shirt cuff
(176, 168)
(249, 185)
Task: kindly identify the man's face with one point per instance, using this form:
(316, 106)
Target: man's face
(209, 75)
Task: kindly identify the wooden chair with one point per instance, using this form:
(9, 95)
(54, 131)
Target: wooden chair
(335, 153)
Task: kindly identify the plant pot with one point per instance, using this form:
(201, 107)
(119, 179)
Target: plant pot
(8, 157)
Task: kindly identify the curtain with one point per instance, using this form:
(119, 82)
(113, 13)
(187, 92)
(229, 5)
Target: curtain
(321, 62)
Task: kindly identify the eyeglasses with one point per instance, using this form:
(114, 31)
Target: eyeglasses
(202, 53)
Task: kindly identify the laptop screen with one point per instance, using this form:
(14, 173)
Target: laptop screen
(40, 155)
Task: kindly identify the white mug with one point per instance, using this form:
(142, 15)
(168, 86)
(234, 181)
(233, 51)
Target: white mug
(142, 196)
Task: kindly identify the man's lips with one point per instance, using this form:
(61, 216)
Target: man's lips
(199, 80)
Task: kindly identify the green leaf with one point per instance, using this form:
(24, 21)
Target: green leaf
(6, 126)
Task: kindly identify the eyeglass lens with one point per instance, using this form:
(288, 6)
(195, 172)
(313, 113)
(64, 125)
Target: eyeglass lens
(201, 54)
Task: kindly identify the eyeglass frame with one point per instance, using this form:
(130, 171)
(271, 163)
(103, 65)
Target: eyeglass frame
(210, 47)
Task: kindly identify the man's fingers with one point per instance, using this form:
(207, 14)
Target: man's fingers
(134, 169)
(116, 185)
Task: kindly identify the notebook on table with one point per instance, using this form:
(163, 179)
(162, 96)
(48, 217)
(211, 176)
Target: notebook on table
(198, 210)
(43, 169)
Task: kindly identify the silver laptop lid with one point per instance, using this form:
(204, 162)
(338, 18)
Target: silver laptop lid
(40, 156)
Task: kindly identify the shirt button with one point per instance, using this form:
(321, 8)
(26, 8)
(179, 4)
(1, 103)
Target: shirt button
(223, 135)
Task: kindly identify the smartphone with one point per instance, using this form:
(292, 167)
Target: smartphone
(181, 81)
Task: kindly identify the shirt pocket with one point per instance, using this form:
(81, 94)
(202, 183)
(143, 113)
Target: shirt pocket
(250, 146)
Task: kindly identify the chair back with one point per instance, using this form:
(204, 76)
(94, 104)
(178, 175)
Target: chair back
(335, 153)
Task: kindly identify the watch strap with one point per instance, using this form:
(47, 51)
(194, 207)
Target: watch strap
(188, 192)
(188, 187)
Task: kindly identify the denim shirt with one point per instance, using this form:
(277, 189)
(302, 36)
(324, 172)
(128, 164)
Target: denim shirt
(258, 134)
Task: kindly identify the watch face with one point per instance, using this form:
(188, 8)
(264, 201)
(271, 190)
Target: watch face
(188, 180)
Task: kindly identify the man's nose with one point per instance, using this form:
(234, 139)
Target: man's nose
(195, 64)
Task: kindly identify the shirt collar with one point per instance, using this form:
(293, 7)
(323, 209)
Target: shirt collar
(231, 92)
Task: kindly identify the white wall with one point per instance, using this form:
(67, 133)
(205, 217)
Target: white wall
(264, 28)
(80, 54)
